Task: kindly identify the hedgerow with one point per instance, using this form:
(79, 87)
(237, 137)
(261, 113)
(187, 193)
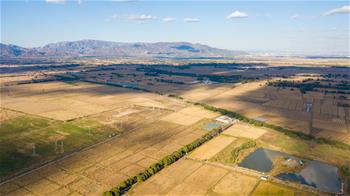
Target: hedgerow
(288, 132)
(164, 162)
(235, 152)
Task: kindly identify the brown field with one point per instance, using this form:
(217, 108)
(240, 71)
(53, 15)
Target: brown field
(189, 115)
(197, 174)
(62, 101)
(152, 126)
(254, 99)
(144, 137)
(240, 129)
(266, 188)
(286, 108)
(8, 114)
(190, 177)
(202, 92)
(234, 184)
(212, 147)
(89, 172)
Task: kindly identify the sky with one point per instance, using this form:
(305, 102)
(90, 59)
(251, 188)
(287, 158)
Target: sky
(305, 27)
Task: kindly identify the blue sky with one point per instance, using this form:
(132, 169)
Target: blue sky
(312, 27)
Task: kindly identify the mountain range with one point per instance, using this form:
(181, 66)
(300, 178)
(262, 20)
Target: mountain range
(96, 48)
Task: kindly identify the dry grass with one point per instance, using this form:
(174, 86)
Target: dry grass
(267, 188)
(199, 181)
(189, 115)
(8, 114)
(189, 177)
(235, 184)
(240, 129)
(62, 101)
(98, 169)
(212, 147)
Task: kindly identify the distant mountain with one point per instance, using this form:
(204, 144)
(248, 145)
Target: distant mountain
(95, 48)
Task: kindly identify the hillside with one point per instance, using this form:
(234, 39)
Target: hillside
(97, 48)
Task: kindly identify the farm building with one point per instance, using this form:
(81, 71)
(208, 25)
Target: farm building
(225, 119)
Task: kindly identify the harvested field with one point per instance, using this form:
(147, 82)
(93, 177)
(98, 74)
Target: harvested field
(225, 155)
(189, 115)
(89, 172)
(235, 184)
(267, 188)
(30, 140)
(338, 136)
(212, 147)
(8, 114)
(200, 93)
(63, 101)
(149, 126)
(198, 178)
(240, 129)
(199, 181)
(285, 108)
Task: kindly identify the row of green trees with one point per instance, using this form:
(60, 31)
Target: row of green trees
(155, 168)
(235, 152)
(288, 132)
(308, 85)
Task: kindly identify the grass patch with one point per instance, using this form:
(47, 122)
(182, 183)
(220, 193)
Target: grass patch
(20, 134)
(304, 149)
(10, 129)
(230, 154)
(268, 188)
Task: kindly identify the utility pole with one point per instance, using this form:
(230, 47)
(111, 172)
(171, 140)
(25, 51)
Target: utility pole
(34, 152)
(62, 148)
(56, 147)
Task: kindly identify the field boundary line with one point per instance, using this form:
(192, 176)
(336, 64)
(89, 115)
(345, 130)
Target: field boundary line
(50, 162)
(258, 174)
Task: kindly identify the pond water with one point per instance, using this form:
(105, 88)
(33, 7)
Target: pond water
(261, 160)
(317, 174)
(210, 126)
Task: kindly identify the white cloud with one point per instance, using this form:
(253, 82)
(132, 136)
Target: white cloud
(55, 1)
(237, 14)
(169, 19)
(295, 17)
(80, 2)
(191, 19)
(341, 10)
(133, 17)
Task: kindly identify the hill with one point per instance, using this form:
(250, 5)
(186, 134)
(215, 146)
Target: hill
(96, 48)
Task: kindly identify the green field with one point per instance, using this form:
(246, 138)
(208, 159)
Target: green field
(51, 139)
(268, 188)
(305, 149)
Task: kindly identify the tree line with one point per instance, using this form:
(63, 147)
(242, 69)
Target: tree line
(124, 186)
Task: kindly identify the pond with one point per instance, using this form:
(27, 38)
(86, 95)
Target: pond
(261, 160)
(317, 174)
(210, 126)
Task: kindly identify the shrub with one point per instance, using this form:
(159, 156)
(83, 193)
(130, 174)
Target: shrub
(235, 152)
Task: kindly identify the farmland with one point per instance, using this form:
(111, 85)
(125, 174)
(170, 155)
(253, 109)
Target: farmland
(218, 174)
(84, 129)
(42, 122)
(254, 90)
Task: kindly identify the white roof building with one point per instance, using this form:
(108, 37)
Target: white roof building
(225, 119)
